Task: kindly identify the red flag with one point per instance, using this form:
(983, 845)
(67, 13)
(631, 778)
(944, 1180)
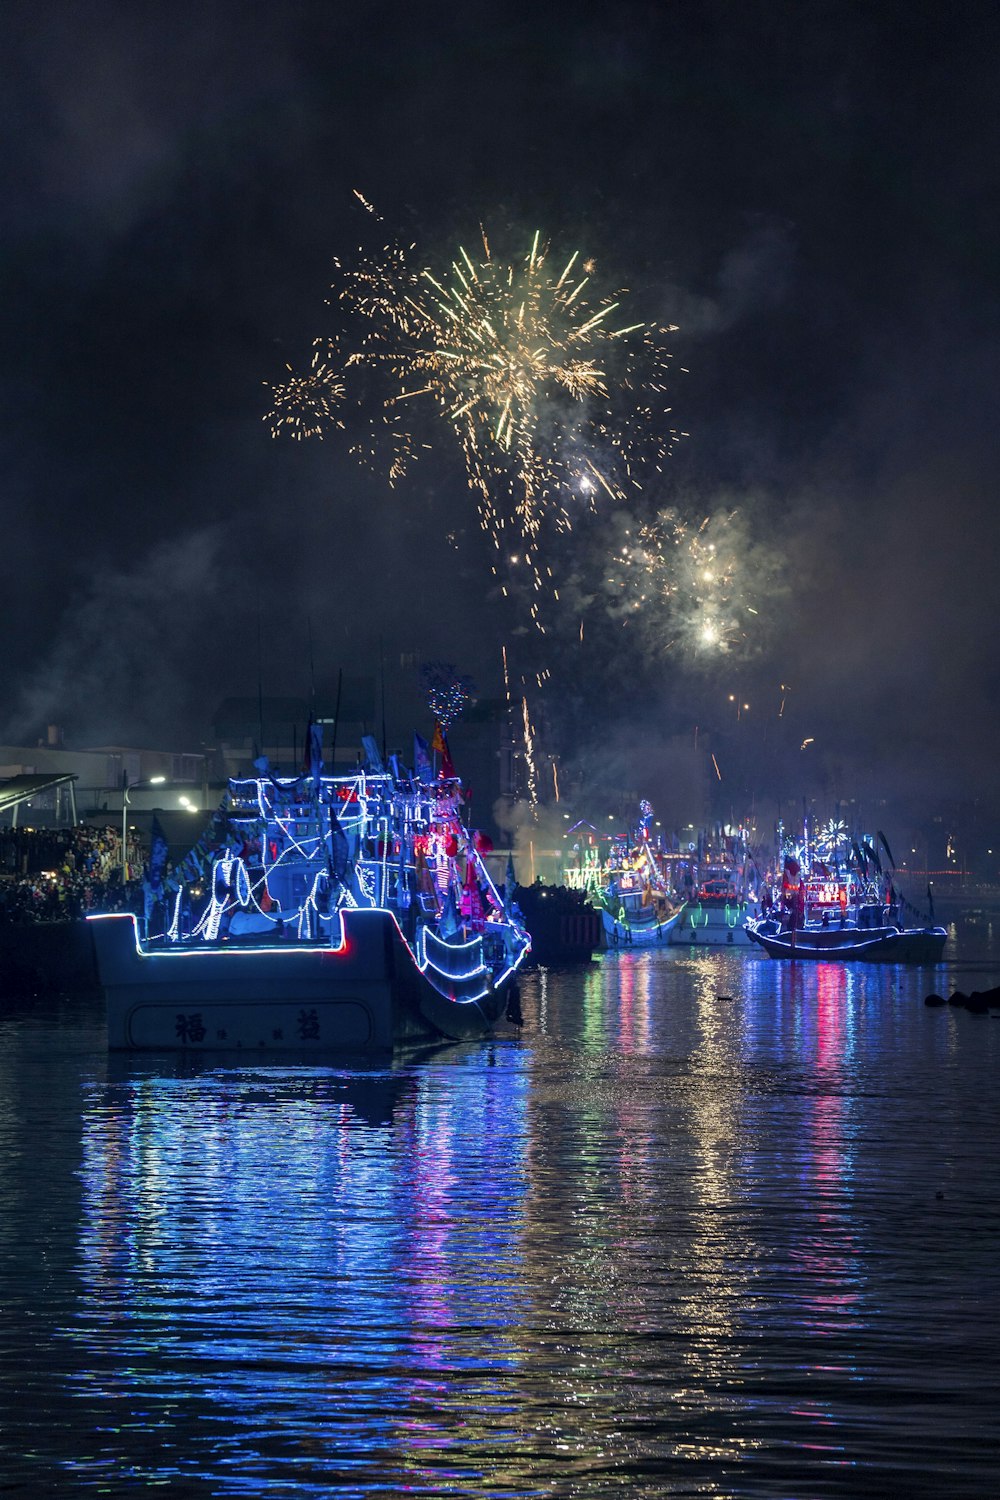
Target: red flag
(472, 901)
(447, 768)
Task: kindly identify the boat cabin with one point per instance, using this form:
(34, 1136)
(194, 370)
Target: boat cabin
(827, 899)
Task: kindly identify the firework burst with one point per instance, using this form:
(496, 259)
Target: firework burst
(833, 839)
(447, 693)
(702, 589)
(305, 405)
(554, 396)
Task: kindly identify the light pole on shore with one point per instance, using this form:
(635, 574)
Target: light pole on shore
(130, 786)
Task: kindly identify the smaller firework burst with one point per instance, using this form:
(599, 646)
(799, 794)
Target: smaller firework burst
(833, 839)
(305, 405)
(699, 588)
(447, 693)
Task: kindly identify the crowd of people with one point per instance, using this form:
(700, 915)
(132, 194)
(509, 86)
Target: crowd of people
(61, 874)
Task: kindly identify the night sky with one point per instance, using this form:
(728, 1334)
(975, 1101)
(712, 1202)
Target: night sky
(808, 190)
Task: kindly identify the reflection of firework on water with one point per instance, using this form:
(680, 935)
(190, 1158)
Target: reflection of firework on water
(701, 589)
(555, 399)
(447, 692)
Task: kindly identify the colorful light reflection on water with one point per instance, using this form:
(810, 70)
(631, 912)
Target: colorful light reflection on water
(707, 1224)
(292, 1256)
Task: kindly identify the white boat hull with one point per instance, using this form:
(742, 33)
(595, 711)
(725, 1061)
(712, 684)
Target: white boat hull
(632, 931)
(711, 926)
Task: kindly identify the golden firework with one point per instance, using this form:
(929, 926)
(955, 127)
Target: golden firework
(554, 397)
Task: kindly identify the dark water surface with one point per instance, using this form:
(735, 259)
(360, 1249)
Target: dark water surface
(704, 1226)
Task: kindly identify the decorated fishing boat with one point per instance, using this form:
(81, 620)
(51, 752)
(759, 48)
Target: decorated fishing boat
(636, 903)
(850, 914)
(715, 914)
(715, 877)
(343, 913)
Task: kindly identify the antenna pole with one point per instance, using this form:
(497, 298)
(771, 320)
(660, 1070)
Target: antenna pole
(336, 716)
(381, 669)
(260, 679)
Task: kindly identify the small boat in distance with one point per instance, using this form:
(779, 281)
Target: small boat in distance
(714, 917)
(824, 914)
(636, 904)
(343, 913)
(717, 879)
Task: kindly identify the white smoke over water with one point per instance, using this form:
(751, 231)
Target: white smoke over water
(116, 662)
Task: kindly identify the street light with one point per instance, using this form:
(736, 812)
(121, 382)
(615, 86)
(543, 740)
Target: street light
(130, 786)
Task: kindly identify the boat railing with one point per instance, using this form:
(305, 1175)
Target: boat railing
(496, 941)
(459, 959)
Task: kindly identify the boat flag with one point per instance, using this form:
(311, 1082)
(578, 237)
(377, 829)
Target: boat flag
(373, 758)
(157, 854)
(448, 923)
(792, 894)
(339, 848)
(439, 743)
(885, 846)
(424, 878)
(152, 886)
(930, 901)
(421, 758)
(509, 882)
(472, 901)
(447, 772)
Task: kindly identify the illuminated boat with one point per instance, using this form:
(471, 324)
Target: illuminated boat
(636, 907)
(881, 943)
(634, 913)
(715, 916)
(717, 875)
(350, 913)
(833, 915)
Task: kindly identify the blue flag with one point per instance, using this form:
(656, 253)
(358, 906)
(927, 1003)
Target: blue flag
(508, 885)
(157, 855)
(153, 885)
(422, 758)
(373, 759)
